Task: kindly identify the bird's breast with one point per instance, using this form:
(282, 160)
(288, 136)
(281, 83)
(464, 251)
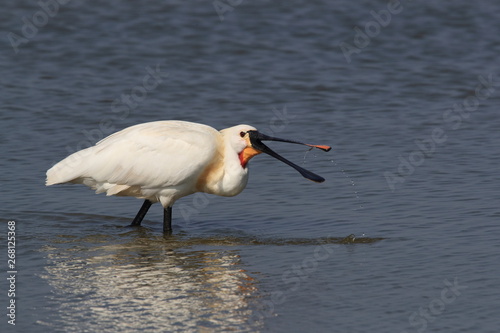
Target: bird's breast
(211, 176)
(224, 176)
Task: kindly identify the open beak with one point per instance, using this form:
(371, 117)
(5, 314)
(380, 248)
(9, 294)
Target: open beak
(256, 139)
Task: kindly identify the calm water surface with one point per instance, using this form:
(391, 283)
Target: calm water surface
(402, 237)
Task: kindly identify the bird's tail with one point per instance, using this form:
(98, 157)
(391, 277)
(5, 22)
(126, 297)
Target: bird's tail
(67, 170)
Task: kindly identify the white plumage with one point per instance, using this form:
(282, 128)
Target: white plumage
(159, 161)
(163, 161)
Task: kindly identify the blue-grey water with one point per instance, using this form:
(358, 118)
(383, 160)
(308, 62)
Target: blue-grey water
(402, 236)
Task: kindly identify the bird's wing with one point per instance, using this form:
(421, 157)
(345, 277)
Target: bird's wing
(150, 155)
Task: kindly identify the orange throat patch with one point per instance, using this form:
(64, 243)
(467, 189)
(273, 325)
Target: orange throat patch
(246, 154)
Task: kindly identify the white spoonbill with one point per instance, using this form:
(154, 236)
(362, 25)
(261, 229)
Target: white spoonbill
(163, 161)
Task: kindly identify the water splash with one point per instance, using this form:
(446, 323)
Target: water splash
(344, 173)
(346, 176)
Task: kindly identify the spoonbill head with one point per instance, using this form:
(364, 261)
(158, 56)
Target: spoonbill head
(163, 161)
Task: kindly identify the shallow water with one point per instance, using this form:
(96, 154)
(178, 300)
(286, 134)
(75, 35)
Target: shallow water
(401, 237)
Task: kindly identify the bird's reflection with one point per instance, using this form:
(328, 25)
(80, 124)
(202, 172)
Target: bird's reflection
(139, 281)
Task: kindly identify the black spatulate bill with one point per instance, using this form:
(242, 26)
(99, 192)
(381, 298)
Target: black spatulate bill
(256, 141)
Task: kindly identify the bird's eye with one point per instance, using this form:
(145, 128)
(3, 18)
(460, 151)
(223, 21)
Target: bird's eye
(242, 134)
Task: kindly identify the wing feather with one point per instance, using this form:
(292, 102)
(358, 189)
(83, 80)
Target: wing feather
(150, 156)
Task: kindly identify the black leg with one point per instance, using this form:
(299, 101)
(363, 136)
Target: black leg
(167, 220)
(142, 212)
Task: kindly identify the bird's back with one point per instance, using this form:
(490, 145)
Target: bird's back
(142, 160)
